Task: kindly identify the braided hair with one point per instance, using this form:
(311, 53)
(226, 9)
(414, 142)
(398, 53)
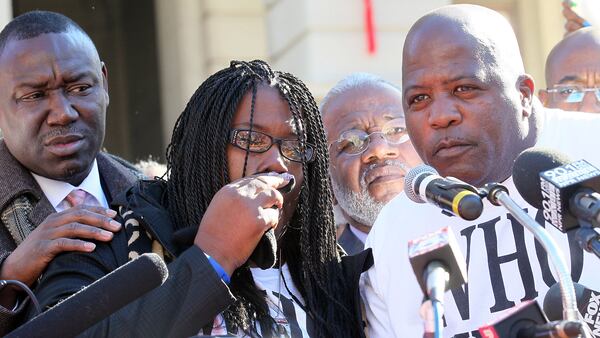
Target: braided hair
(196, 162)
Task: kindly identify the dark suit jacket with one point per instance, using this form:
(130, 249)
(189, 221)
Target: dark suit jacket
(16, 181)
(190, 298)
(351, 244)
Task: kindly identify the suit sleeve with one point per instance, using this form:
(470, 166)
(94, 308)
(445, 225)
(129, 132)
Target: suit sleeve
(189, 299)
(9, 317)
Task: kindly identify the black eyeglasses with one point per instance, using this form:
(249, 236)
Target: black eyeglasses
(257, 142)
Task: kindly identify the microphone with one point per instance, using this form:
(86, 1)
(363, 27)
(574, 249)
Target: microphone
(439, 265)
(565, 191)
(588, 304)
(432, 252)
(423, 184)
(527, 320)
(98, 300)
(265, 254)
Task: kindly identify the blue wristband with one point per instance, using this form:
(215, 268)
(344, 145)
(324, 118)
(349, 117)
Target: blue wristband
(218, 269)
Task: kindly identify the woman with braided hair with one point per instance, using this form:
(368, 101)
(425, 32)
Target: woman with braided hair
(247, 120)
(244, 222)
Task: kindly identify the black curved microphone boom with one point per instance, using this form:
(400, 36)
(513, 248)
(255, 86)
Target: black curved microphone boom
(98, 300)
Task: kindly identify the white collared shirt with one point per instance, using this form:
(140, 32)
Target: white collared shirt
(56, 191)
(362, 236)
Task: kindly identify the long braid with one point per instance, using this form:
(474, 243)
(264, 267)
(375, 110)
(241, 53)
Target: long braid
(196, 161)
(319, 276)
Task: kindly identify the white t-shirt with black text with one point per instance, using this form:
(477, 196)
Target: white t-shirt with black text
(505, 265)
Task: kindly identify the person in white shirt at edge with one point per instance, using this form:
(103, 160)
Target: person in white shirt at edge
(470, 111)
(573, 73)
(369, 150)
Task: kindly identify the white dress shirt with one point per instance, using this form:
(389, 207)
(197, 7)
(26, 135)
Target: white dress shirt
(56, 191)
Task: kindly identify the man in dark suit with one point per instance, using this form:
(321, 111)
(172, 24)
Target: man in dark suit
(53, 100)
(370, 151)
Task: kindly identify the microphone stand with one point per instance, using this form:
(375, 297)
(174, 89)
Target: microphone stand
(437, 279)
(498, 195)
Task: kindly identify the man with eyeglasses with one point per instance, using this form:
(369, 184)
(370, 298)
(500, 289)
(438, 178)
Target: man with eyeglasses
(573, 73)
(369, 149)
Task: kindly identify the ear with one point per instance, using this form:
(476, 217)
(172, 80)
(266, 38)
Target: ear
(526, 87)
(543, 95)
(105, 80)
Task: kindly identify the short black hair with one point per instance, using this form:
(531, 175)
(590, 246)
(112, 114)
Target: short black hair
(35, 23)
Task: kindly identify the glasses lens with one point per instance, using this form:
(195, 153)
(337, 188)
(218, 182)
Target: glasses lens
(395, 131)
(352, 141)
(253, 141)
(569, 94)
(290, 149)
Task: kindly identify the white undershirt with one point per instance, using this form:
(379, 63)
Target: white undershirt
(291, 318)
(271, 281)
(56, 191)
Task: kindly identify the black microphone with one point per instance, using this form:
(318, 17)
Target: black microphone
(434, 251)
(423, 184)
(565, 191)
(265, 254)
(98, 300)
(527, 320)
(588, 304)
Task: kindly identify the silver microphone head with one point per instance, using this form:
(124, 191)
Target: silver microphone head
(411, 177)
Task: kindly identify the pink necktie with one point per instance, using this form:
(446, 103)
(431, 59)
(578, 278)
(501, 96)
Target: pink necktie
(76, 197)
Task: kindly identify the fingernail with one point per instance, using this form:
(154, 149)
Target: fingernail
(287, 176)
(115, 224)
(586, 24)
(89, 246)
(111, 213)
(105, 233)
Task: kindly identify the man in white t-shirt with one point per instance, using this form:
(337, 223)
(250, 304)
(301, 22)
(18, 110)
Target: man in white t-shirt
(470, 111)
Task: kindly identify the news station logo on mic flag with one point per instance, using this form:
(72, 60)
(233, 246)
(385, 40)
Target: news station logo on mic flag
(514, 320)
(558, 184)
(588, 304)
(439, 246)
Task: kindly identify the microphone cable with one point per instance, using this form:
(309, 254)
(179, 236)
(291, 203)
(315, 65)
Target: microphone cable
(24, 287)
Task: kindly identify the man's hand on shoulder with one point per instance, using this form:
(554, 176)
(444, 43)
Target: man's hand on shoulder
(59, 232)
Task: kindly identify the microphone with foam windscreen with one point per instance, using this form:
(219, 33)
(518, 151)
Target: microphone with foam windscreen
(98, 300)
(565, 191)
(527, 320)
(424, 184)
(588, 304)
